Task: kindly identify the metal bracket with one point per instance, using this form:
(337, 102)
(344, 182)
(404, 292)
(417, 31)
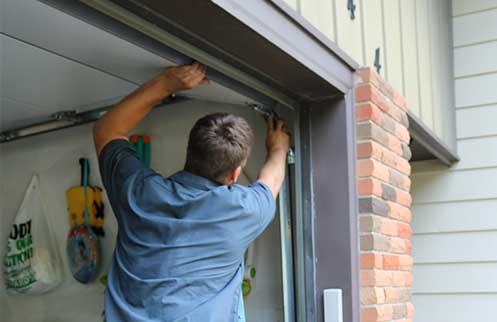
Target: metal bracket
(351, 7)
(70, 116)
(377, 64)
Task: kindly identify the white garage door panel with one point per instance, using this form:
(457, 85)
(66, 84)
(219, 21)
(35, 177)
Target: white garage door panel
(455, 216)
(478, 121)
(475, 59)
(40, 78)
(475, 28)
(454, 186)
(455, 278)
(476, 90)
(455, 308)
(460, 7)
(455, 247)
(16, 114)
(70, 37)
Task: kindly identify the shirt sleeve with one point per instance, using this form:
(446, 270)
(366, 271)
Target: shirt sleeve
(118, 161)
(262, 205)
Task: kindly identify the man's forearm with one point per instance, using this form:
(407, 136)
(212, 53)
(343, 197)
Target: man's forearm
(273, 171)
(126, 115)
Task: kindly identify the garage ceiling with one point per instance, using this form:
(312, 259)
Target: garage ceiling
(53, 62)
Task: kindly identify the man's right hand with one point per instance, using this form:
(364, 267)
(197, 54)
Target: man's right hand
(277, 142)
(277, 136)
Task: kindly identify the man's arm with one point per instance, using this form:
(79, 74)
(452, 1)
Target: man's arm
(117, 123)
(277, 143)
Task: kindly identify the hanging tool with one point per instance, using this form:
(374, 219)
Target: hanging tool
(141, 143)
(83, 247)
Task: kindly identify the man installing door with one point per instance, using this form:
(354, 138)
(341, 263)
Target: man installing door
(181, 240)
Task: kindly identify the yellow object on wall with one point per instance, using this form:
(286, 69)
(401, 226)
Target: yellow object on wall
(76, 207)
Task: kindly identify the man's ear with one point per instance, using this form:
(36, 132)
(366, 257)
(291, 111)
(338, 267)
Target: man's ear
(235, 174)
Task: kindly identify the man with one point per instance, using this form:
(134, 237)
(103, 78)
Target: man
(181, 240)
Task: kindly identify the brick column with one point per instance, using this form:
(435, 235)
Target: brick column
(384, 200)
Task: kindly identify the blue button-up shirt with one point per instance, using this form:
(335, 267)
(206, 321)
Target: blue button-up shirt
(180, 243)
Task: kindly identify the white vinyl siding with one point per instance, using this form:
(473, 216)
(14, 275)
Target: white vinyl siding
(455, 210)
(414, 38)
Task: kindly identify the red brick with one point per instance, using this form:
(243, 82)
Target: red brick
(399, 212)
(401, 278)
(368, 75)
(369, 186)
(404, 230)
(376, 278)
(391, 262)
(402, 133)
(405, 262)
(388, 227)
(408, 246)
(368, 111)
(398, 245)
(376, 313)
(403, 166)
(400, 101)
(365, 150)
(363, 93)
(394, 145)
(371, 260)
(410, 310)
(404, 198)
(372, 295)
(369, 167)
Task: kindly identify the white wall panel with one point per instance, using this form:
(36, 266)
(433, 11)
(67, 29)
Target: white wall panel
(455, 217)
(425, 66)
(460, 7)
(321, 14)
(455, 247)
(372, 26)
(456, 278)
(477, 59)
(393, 44)
(409, 52)
(476, 90)
(348, 31)
(475, 28)
(454, 307)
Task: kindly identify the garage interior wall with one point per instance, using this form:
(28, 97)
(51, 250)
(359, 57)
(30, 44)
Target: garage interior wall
(54, 156)
(414, 39)
(454, 210)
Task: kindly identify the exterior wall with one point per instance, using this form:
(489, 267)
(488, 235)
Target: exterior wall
(384, 200)
(455, 210)
(414, 40)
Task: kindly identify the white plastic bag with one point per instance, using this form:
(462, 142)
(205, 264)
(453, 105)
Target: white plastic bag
(32, 263)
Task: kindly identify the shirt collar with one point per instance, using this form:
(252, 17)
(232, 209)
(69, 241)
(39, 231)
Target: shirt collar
(189, 179)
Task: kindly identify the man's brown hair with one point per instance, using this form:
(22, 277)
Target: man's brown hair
(217, 145)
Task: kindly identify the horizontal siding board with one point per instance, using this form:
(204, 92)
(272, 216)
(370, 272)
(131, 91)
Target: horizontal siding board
(455, 247)
(456, 278)
(476, 153)
(477, 121)
(454, 185)
(455, 308)
(476, 59)
(475, 28)
(461, 7)
(477, 90)
(455, 217)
